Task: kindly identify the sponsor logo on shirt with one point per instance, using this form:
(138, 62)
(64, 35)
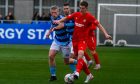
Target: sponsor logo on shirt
(79, 25)
(84, 20)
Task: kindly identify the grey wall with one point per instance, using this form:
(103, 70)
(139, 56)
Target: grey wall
(23, 9)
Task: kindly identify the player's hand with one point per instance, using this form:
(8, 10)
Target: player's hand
(56, 22)
(108, 37)
(53, 29)
(47, 35)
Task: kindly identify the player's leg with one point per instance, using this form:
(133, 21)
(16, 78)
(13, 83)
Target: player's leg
(87, 56)
(81, 65)
(89, 60)
(74, 54)
(73, 57)
(52, 53)
(92, 46)
(66, 54)
(97, 61)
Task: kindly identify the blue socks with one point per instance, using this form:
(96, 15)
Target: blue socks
(75, 62)
(53, 70)
(72, 67)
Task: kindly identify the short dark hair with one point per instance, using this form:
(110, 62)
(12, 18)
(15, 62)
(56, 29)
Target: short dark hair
(84, 3)
(66, 4)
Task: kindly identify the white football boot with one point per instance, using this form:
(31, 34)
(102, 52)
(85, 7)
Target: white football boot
(97, 67)
(89, 77)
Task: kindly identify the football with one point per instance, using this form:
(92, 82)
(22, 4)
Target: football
(122, 43)
(108, 42)
(68, 79)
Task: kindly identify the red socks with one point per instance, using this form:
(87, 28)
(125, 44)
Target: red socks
(87, 56)
(96, 58)
(81, 65)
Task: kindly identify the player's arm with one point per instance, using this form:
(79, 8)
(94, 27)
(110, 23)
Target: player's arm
(60, 26)
(104, 31)
(64, 19)
(60, 21)
(49, 32)
(101, 28)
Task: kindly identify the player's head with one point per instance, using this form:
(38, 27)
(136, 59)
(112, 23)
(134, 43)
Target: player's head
(54, 11)
(66, 8)
(83, 6)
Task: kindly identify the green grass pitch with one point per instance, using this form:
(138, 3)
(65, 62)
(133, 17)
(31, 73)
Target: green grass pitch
(28, 64)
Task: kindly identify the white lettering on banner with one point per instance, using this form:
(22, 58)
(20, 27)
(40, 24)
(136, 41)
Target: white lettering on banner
(10, 33)
(50, 37)
(1, 33)
(16, 33)
(19, 32)
(31, 33)
(39, 32)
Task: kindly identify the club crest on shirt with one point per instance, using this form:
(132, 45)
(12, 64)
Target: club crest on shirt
(84, 20)
(69, 15)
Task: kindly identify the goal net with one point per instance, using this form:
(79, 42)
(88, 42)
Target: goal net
(122, 21)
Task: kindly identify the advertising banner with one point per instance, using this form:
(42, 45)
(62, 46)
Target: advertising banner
(25, 33)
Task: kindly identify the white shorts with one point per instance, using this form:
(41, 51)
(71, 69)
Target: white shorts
(64, 49)
(71, 51)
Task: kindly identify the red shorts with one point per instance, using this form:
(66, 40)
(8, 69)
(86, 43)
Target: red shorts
(78, 45)
(91, 42)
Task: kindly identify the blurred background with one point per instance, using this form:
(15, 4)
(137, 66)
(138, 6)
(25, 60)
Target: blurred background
(119, 17)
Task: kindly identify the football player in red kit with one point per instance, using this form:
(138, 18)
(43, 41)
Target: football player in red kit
(83, 21)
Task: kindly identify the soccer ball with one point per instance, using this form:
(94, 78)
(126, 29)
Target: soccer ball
(108, 42)
(122, 43)
(69, 78)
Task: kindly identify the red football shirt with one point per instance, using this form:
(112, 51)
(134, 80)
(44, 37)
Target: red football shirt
(82, 25)
(91, 30)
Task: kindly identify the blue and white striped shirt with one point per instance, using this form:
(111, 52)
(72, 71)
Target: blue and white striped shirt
(69, 26)
(61, 35)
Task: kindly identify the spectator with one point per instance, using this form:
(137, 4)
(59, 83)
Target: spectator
(45, 17)
(7, 19)
(36, 16)
(11, 16)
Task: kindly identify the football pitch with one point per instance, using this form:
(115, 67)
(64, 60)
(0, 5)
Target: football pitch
(28, 64)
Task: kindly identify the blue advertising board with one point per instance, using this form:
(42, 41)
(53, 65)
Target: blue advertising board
(25, 33)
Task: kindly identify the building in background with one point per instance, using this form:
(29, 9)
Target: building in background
(24, 9)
